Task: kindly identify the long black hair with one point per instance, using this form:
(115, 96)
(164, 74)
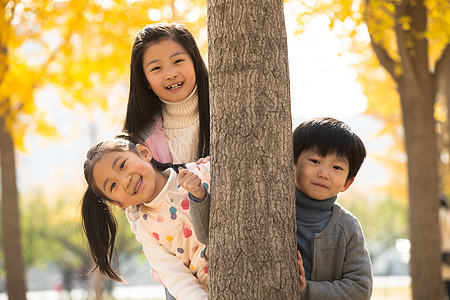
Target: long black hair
(99, 222)
(144, 107)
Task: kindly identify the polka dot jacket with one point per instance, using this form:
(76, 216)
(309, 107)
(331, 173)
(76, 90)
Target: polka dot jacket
(165, 230)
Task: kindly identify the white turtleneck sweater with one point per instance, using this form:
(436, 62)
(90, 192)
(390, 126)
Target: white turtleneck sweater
(181, 126)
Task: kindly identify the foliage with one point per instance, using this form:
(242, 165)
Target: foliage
(411, 40)
(52, 233)
(81, 47)
(355, 15)
(356, 22)
(383, 221)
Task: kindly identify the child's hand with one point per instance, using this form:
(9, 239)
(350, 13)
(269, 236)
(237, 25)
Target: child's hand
(302, 272)
(203, 160)
(191, 183)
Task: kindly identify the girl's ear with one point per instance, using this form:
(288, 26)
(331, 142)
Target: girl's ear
(145, 153)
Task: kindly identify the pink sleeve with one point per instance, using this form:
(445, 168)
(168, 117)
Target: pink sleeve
(157, 143)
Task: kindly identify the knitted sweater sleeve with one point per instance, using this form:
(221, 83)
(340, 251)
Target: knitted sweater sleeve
(199, 209)
(341, 272)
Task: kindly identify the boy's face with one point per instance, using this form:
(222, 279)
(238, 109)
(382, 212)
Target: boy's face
(321, 177)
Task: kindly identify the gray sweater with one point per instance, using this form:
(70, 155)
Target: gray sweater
(341, 267)
(199, 211)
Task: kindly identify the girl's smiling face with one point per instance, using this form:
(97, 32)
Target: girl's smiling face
(169, 70)
(127, 178)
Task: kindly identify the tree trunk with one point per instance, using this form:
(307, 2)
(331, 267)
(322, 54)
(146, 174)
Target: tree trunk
(252, 243)
(417, 89)
(423, 193)
(15, 279)
(445, 90)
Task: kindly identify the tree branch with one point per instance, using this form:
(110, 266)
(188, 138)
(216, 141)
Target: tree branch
(385, 60)
(50, 59)
(400, 10)
(383, 57)
(442, 62)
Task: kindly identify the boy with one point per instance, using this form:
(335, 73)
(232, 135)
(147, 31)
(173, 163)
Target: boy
(334, 258)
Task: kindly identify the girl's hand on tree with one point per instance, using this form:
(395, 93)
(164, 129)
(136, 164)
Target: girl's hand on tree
(203, 160)
(302, 272)
(191, 183)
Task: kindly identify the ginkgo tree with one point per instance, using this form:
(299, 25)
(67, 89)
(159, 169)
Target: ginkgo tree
(80, 47)
(411, 41)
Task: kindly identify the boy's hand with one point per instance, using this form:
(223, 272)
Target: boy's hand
(191, 183)
(302, 272)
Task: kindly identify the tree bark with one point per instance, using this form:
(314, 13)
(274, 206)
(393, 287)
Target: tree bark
(252, 242)
(15, 279)
(445, 90)
(423, 189)
(417, 89)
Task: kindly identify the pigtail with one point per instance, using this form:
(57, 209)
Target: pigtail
(100, 227)
(163, 166)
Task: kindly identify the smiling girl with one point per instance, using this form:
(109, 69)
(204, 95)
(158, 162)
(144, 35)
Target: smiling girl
(120, 173)
(168, 104)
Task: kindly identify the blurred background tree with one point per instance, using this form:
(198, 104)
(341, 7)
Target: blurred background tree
(53, 236)
(82, 48)
(411, 41)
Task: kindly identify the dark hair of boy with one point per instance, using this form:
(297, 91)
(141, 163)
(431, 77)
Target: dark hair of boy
(330, 136)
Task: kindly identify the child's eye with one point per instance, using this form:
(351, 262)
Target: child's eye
(155, 69)
(179, 60)
(113, 185)
(338, 168)
(314, 161)
(122, 165)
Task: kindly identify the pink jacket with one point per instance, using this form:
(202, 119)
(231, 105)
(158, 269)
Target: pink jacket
(156, 142)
